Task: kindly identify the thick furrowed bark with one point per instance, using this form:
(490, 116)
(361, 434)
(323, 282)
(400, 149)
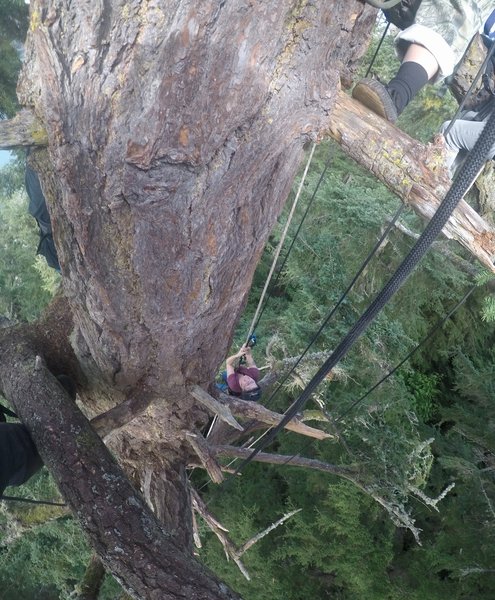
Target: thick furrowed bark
(147, 559)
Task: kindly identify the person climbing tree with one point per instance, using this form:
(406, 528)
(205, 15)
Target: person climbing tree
(242, 380)
(434, 36)
(19, 458)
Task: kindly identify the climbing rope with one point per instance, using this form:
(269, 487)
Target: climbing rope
(465, 178)
(341, 299)
(310, 203)
(281, 242)
(28, 500)
(385, 31)
(430, 334)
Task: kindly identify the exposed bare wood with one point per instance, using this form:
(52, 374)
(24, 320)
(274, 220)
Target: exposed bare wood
(207, 460)
(228, 546)
(25, 129)
(217, 408)
(282, 459)
(196, 536)
(230, 549)
(253, 410)
(120, 415)
(266, 531)
(410, 169)
(431, 501)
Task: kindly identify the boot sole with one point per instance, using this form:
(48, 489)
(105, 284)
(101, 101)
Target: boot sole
(373, 95)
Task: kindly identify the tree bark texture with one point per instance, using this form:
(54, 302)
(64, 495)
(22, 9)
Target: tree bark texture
(149, 560)
(175, 129)
(410, 169)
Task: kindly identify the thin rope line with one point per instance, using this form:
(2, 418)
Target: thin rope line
(310, 203)
(281, 242)
(463, 181)
(470, 90)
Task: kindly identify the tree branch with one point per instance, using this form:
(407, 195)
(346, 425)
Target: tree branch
(216, 407)
(202, 449)
(412, 170)
(127, 536)
(25, 129)
(253, 410)
(282, 459)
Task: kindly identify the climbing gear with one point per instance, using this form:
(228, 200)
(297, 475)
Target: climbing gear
(299, 227)
(252, 395)
(383, 4)
(374, 95)
(372, 62)
(488, 34)
(490, 54)
(281, 242)
(403, 14)
(463, 181)
(343, 296)
(252, 340)
(30, 501)
(4, 411)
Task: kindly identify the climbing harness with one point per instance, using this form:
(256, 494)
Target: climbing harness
(463, 181)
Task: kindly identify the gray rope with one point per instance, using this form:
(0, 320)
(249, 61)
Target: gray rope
(463, 181)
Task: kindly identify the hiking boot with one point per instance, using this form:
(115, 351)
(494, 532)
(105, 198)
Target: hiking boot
(374, 95)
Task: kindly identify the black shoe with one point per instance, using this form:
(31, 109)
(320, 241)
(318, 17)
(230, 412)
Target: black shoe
(374, 95)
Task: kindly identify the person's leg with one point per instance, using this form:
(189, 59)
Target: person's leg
(463, 135)
(460, 140)
(429, 49)
(390, 100)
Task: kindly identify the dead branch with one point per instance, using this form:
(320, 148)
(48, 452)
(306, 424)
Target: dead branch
(282, 459)
(266, 531)
(202, 449)
(216, 407)
(412, 170)
(25, 129)
(426, 499)
(253, 410)
(230, 549)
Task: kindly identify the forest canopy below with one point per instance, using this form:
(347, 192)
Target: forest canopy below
(428, 426)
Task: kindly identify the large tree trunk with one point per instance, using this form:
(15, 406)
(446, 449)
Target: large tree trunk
(174, 130)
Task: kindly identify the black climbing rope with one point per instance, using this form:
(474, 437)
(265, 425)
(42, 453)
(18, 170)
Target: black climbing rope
(299, 227)
(385, 31)
(463, 181)
(341, 299)
(30, 501)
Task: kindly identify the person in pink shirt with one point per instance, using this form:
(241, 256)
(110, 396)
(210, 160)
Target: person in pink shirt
(242, 380)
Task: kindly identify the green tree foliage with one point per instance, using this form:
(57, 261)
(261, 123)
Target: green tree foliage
(13, 27)
(342, 545)
(26, 282)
